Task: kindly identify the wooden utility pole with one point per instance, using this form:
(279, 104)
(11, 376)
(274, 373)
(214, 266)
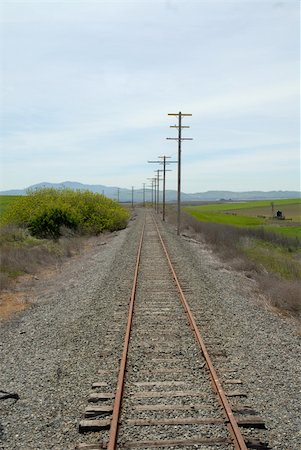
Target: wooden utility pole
(158, 187)
(132, 197)
(118, 190)
(152, 186)
(179, 139)
(143, 195)
(155, 192)
(164, 162)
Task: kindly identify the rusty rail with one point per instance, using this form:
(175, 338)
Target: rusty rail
(234, 430)
(233, 426)
(121, 375)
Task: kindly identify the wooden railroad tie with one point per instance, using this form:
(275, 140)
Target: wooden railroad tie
(99, 384)
(96, 446)
(151, 394)
(94, 425)
(175, 442)
(100, 396)
(245, 422)
(162, 407)
(98, 410)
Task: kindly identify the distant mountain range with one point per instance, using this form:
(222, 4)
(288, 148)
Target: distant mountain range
(125, 195)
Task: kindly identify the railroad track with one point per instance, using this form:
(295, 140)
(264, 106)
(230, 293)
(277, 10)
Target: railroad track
(167, 393)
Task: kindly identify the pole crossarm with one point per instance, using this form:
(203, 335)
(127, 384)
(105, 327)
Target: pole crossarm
(178, 114)
(180, 139)
(164, 162)
(168, 162)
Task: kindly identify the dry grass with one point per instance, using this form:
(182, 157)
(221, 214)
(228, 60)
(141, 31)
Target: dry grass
(276, 266)
(4, 280)
(283, 294)
(22, 254)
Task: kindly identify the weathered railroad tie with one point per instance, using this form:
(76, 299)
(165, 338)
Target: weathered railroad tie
(168, 393)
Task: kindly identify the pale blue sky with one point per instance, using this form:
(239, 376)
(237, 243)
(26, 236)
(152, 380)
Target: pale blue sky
(87, 85)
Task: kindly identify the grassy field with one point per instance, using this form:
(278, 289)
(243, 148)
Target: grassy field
(246, 235)
(255, 213)
(5, 201)
(232, 206)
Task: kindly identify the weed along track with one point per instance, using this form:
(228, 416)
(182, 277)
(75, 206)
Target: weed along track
(165, 392)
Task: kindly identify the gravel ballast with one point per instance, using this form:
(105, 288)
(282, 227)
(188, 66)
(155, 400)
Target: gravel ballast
(51, 353)
(262, 346)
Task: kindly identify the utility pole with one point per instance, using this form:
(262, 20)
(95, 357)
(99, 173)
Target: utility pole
(132, 197)
(152, 186)
(179, 139)
(158, 187)
(164, 162)
(164, 178)
(155, 193)
(118, 190)
(143, 195)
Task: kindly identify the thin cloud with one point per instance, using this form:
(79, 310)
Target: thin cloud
(90, 83)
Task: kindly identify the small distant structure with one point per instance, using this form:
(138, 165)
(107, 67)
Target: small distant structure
(279, 215)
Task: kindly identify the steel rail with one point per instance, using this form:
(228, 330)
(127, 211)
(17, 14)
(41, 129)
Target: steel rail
(121, 375)
(233, 426)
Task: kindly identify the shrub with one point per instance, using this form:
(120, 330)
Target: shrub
(45, 211)
(54, 214)
(48, 224)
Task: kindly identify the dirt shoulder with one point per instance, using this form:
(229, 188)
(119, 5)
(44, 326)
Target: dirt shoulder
(26, 289)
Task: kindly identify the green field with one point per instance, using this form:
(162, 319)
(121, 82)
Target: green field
(278, 257)
(254, 213)
(6, 200)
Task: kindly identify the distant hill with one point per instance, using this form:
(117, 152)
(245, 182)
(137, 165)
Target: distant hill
(125, 195)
